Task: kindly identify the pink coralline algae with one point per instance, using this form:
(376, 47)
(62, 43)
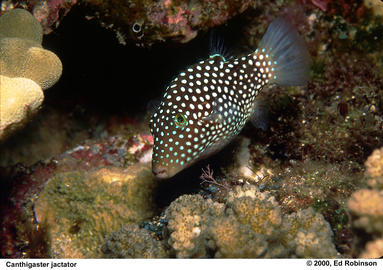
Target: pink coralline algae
(48, 12)
(350, 9)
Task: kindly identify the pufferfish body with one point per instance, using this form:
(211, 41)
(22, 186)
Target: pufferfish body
(209, 103)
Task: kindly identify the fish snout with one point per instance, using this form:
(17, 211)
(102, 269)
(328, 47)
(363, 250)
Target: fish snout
(160, 171)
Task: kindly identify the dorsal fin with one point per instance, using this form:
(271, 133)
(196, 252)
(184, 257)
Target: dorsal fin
(218, 46)
(153, 105)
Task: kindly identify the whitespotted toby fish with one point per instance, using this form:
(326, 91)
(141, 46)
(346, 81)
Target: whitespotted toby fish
(209, 103)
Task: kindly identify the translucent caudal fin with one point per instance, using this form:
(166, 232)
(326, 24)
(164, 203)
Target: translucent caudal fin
(288, 50)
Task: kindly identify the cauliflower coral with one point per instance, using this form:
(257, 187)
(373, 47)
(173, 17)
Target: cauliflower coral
(367, 205)
(248, 225)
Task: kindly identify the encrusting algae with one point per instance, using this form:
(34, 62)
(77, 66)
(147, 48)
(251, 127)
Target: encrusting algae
(81, 209)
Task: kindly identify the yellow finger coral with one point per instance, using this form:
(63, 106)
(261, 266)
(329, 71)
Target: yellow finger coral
(21, 54)
(42, 66)
(19, 97)
(22, 57)
(19, 23)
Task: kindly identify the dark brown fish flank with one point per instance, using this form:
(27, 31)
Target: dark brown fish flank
(209, 103)
(216, 98)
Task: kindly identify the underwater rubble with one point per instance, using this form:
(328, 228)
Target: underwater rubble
(76, 177)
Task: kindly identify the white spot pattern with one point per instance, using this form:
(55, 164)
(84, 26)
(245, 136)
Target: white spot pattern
(218, 104)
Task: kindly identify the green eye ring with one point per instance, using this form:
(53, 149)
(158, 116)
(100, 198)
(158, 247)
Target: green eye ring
(180, 120)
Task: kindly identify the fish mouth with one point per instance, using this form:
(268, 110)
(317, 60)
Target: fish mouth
(160, 172)
(164, 172)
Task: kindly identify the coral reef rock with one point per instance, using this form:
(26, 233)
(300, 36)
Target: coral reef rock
(149, 22)
(80, 208)
(21, 56)
(133, 242)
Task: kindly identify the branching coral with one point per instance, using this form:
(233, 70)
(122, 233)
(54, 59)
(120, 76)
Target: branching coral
(308, 234)
(374, 249)
(231, 239)
(199, 227)
(367, 205)
(374, 165)
(248, 224)
(21, 56)
(259, 210)
(187, 225)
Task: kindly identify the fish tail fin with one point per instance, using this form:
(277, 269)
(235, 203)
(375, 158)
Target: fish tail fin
(288, 52)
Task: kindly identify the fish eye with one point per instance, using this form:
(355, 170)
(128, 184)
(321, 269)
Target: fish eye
(180, 120)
